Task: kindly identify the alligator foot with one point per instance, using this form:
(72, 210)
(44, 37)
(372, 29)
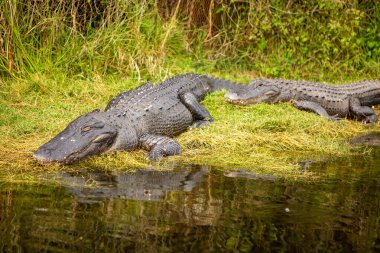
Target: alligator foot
(370, 119)
(367, 114)
(200, 123)
(159, 146)
(160, 151)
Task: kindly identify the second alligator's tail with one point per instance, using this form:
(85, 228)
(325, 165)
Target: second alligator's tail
(220, 84)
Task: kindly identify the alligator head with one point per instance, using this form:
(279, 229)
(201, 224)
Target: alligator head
(255, 92)
(86, 136)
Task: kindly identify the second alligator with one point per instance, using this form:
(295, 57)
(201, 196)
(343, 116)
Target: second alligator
(353, 100)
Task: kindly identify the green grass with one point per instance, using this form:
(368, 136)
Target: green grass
(265, 138)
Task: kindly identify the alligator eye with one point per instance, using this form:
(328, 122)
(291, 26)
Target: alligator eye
(86, 129)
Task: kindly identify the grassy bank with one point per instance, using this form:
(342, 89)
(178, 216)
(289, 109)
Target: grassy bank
(266, 138)
(60, 61)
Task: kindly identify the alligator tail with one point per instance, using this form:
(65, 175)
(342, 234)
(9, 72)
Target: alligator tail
(220, 84)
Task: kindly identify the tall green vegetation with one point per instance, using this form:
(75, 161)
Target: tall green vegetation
(294, 36)
(84, 36)
(273, 38)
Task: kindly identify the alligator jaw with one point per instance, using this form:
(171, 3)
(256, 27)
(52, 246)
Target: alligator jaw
(234, 98)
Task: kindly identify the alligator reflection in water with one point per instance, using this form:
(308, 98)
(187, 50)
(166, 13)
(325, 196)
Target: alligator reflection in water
(144, 184)
(197, 209)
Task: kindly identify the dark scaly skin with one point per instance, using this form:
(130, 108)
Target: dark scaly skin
(147, 117)
(352, 100)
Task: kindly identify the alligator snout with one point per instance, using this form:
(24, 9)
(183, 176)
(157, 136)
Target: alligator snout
(40, 158)
(231, 96)
(234, 98)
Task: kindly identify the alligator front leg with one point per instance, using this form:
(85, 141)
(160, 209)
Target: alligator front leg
(201, 115)
(314, 107)
(365, 112)
(159, 146)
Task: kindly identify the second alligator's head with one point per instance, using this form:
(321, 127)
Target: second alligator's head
(256, 92)
(87, 135)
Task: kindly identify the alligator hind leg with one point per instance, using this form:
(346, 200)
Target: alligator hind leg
(365, 112)
(201, 115)
(159, 146)
(314, 107)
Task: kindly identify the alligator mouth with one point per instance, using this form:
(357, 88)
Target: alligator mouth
(234, 98)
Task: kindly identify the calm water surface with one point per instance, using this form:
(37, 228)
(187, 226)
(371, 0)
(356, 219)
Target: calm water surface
(196, 209)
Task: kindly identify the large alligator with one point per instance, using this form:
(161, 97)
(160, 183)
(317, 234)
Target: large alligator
(147, 117)
(353, 100)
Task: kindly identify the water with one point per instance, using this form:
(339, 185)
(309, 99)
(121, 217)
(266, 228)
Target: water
(196, 209)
